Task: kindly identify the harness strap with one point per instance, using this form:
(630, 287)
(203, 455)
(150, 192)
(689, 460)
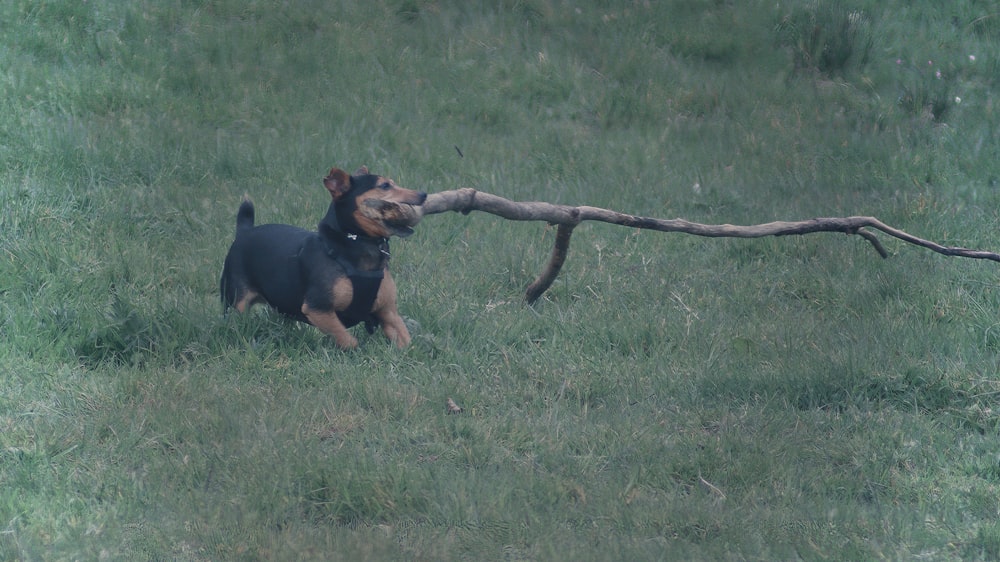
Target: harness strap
(366, 285)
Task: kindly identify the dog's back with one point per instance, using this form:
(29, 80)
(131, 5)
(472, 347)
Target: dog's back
(265, 260)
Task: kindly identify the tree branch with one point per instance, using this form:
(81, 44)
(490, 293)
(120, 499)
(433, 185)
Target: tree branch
(466, 200)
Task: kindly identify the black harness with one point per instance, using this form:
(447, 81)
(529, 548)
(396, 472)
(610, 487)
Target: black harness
(365, 284)
(345, 249)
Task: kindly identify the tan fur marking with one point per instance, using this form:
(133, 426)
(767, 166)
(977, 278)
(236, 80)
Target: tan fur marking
(396, 194)
(342, 293)
(372, 228)
(249, 299)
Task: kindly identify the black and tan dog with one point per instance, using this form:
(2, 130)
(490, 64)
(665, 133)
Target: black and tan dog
(335, 277)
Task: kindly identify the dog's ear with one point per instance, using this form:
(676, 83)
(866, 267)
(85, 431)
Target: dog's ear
(362, 171)
(337, 183)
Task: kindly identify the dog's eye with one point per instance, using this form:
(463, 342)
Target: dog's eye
(386, 186)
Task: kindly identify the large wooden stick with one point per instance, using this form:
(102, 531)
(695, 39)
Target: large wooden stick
(566, 217)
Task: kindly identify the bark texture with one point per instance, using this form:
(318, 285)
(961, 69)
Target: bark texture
(566, 218)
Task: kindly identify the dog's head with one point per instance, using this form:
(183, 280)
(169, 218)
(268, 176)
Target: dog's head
(372, 205)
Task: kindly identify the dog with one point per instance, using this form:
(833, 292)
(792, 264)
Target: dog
(335, 277)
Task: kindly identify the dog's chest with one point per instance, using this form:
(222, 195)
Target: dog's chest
(363, 270)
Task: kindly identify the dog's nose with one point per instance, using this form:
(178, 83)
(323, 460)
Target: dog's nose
(421, 197)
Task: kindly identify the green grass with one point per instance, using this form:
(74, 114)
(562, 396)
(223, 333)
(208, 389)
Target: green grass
(671, 397)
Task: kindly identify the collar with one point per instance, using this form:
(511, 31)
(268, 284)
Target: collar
(359, 239)
(331, 225)
(347, 247)
(351, 242)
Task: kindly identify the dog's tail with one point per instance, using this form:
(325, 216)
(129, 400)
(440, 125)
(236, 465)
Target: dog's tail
(244, 218)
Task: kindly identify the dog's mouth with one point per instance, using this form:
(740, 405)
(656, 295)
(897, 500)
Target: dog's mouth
(402, 231)
(398, 218)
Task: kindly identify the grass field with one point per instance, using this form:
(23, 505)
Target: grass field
(671, 397)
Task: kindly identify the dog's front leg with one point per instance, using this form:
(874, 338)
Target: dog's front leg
(388, 315)
(394, 327)
(328, 323)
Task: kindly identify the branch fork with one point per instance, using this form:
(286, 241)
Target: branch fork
(566, 218)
